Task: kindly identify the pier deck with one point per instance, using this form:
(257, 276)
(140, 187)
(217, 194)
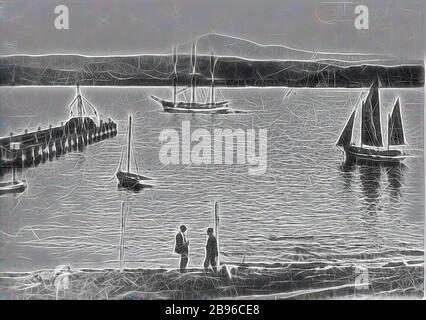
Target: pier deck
(42, 144)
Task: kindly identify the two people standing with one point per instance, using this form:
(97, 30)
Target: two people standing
(182, 248)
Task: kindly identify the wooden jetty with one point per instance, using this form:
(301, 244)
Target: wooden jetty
(46, 144)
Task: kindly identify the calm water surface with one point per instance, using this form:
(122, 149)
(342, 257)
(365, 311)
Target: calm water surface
(306, 207)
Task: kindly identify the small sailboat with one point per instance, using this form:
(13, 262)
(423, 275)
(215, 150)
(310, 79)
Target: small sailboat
(371, 147)
(194, 106)
(128, 179)
(14, 185)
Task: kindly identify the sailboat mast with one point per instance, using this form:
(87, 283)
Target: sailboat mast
(174, 54)
(79, 102)
(379, 112)
(193, 82)
(128, 143)
(389, 136)
(360, 124)
(212, 63)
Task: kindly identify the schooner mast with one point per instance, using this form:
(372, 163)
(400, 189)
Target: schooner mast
(194, 106)
(174, 57)
(371, 128)
(212, 89)
(193, 79)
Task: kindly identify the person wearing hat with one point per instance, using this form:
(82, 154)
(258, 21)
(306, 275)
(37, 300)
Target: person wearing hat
(211, 251)
(181, 247)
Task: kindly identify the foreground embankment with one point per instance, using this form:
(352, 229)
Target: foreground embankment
(235, 281)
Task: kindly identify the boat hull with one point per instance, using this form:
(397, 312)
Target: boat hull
(219, 110)
(132, 180)
(10, 187)
(365, 155)
(184, 107)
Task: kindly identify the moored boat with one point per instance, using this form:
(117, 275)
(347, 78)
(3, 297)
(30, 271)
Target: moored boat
(370, 146)
(126, 178)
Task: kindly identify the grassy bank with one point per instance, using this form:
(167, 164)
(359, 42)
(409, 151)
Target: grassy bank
(282, 281)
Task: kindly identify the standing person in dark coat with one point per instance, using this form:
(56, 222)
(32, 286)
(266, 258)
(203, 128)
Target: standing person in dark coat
(181, 247)
(211, 251)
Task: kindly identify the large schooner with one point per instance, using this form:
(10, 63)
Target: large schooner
(194, 106)
(126, 178)
(371, 146)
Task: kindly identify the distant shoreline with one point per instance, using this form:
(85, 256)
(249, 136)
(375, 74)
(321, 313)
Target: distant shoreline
(157, 70)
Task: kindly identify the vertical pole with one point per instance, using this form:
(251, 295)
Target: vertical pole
(212, 98)
(361, 124)
(193, 81)
(212, 65)
(79, 102)
(388, 131)
(193, 91)
(216, 228)
(128, 143)
(121, 245)
(13, 168)
(13, 147)
(174, 57)
(174, 90)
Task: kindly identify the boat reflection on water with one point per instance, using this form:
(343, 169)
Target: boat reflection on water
(370, 177)
(125, 212)
(395, 176)
(375, 179)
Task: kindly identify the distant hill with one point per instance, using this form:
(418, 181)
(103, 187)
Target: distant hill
(224, 45)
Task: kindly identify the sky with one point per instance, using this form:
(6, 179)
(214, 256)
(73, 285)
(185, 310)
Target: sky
(113, 27)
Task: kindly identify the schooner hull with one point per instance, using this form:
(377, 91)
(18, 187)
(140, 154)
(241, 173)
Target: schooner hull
(197, 110)
(11, 187)
(184, 107)
(365, 155)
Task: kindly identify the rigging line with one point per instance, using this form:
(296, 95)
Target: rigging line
(223, 97)
(133, 153)
(122, 151)
(183, 89)
(72, 102)
(91, 105)
(203, 95)
(135, 164)
(121, 158)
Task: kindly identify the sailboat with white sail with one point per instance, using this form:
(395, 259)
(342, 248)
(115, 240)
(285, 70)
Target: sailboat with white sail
(371, 146)
(194, 106)
(127, 178)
